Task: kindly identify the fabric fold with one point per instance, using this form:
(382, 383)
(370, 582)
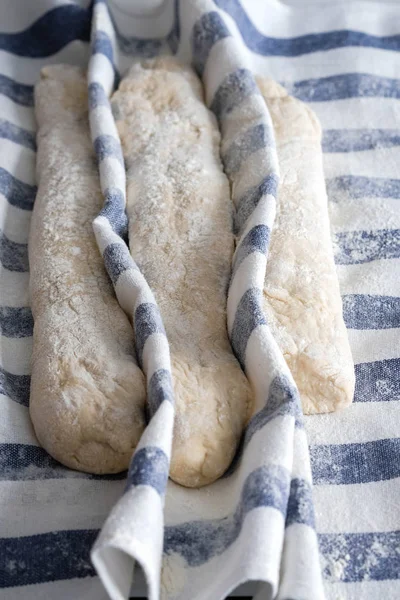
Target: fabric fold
(257, 522)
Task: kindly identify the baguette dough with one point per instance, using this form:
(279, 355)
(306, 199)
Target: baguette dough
(301, 292)
(180, 232)
(87, 392)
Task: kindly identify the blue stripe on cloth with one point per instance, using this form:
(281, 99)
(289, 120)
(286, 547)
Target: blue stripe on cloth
(300, 507)
(97, 96)
(199, 541)
(356, 247)
(207, 31)
(358, 140)
(18, 135)
(16, 387)
(117, 260)
(114, 211)
(16, 322)
(233, 90)
(362, 311)
(339, 464)
(101, 44)
(108, 146)
(53, 556)
(17, 92)
(378, 381)
(135, 46)
(362, 556)
(348, 85)
(174, 36)
(13, 256)
(23, 462)
(50, 33)
(40, 558)
(253, 139)
(251, 198)
(249, 315)
(256, 240)
(147, 321)
(17, 193)
(145, 48)
(358, 186)
(149, 466)
(160, 388)
(283, 399)
(303, 44)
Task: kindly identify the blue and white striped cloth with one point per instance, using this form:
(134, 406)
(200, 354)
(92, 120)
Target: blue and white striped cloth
(342, 58)
(265, 527)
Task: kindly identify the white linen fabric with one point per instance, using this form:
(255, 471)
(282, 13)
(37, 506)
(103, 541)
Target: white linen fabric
(257, 523)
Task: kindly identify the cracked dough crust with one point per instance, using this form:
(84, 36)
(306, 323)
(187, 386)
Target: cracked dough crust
(180, 232)
(301, 291)
(87, 392)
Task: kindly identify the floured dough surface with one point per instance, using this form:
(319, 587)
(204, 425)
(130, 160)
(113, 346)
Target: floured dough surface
(87, 392)
(180, 234)
(301, 292)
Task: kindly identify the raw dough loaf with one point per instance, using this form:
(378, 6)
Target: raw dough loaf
(180, 233)
(301, 292)
(87, 392)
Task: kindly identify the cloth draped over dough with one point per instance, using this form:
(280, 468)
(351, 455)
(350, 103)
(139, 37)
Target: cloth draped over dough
(264, 499)
(180, 231)
(257, 522)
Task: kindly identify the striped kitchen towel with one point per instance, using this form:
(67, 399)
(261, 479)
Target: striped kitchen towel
(264, 528)
(343, 58)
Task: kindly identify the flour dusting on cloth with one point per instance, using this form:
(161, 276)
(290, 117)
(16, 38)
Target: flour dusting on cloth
(266, 492)
(342, 60)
